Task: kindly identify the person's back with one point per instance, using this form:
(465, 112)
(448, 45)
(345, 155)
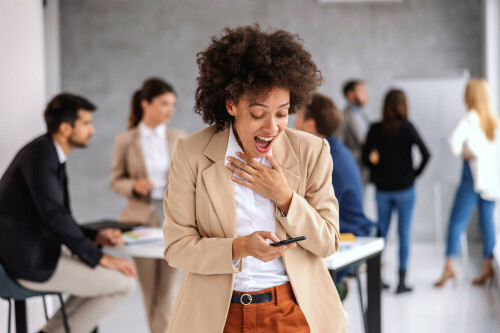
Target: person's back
(322, 118)
(395, 170)
(348, 187)
(388, 154)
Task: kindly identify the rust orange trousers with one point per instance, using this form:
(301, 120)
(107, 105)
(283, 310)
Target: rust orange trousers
(281, 315)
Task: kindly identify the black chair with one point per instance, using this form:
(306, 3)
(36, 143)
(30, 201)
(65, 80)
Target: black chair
(11, 291)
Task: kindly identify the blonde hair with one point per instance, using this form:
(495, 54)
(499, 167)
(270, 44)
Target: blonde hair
(477, 98)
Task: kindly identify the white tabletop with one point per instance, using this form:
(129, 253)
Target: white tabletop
(349, 252)
(149, 250)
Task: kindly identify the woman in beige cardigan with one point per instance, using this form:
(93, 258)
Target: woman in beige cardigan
(139, 171)
(246, 181)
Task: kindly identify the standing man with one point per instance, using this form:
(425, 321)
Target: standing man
(41, 245)
(355, 125)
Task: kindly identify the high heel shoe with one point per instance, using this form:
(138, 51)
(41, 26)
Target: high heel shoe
(482, 279)
(447, 274)
(487, 273)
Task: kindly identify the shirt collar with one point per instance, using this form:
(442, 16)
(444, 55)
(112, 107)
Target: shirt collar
(147, 132)
(233, 147)
(60, 152)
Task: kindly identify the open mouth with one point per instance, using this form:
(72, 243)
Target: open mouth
(263, 143)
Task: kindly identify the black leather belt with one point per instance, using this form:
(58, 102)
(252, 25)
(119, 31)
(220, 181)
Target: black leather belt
(246, 299)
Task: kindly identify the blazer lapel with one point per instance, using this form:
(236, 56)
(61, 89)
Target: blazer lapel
(286, 157)
(220, 187)
(284, 154)
(138, 155)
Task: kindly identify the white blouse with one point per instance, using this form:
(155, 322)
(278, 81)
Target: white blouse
(254, 213)
(154, 147)
(469, 137)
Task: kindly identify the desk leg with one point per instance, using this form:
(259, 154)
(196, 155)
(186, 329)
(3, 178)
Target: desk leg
(20, 312)
(373, 311)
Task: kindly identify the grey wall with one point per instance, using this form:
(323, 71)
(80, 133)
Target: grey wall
(109, 47)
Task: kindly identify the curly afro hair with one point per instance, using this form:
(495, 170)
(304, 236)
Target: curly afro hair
(247, 60)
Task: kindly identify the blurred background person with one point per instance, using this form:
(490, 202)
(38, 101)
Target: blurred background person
(475, 140)
(139, 171)
(41, 244)
(388, 154)
(355, 123)
(322, 118)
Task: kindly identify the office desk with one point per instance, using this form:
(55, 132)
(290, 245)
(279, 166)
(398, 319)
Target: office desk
(366, 249)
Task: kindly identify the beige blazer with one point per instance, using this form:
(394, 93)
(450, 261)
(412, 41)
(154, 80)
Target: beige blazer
(200, 226)
(128, 166)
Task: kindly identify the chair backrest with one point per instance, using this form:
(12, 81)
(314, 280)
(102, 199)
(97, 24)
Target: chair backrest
(11, 289)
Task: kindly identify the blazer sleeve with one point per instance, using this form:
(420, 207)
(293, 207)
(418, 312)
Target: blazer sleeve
(42, 177)
(316, 215)
(120, 181)
(426, 155)
(184, 246)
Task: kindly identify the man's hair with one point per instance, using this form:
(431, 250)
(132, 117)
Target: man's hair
(325, 113)
(351, 85)
(63, 108)
(250, 61)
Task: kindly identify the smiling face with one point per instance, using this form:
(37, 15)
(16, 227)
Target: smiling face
(259, 120)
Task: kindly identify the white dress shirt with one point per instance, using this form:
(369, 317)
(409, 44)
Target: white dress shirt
(156, 156)
(469, 137)
(254, 213)
(60, 152)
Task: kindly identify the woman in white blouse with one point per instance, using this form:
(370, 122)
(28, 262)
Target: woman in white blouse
(139, 171)
(475, 139)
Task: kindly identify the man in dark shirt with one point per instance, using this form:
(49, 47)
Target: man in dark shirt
(322, 118)
(41, 245)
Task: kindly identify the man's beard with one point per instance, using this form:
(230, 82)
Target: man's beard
(77, 144)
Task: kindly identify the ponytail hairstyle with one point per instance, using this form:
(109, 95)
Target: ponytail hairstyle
(151, 88)
(135, 110)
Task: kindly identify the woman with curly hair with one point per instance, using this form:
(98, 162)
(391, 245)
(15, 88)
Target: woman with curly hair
(246, 181)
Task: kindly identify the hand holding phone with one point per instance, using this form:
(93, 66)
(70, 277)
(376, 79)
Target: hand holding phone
(289, 241)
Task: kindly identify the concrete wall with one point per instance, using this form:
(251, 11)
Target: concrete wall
(109, 47)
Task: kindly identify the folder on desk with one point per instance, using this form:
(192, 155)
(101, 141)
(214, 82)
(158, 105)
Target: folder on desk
(143, 235)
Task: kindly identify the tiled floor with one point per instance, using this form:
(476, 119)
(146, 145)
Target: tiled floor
(461, 309)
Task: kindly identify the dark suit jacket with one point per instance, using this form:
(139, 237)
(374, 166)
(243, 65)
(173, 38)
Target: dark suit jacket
(35, 217)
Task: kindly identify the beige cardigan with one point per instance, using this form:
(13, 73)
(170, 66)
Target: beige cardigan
(200, 226)
(127, 167)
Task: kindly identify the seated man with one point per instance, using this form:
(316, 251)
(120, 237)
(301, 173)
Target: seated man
(38, 234)
(322, 119)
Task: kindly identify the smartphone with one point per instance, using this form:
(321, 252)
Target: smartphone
(288, 241)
